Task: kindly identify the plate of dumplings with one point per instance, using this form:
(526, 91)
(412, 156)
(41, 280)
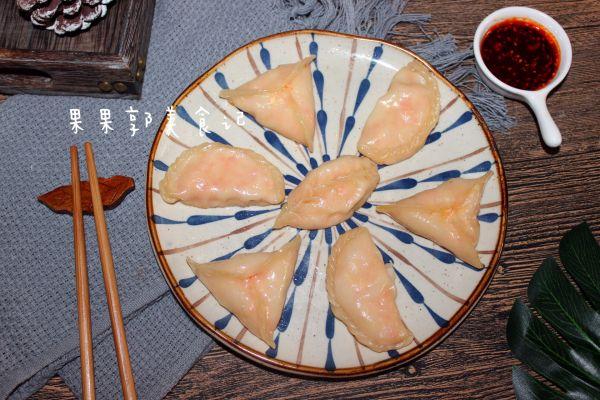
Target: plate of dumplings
(326, 204)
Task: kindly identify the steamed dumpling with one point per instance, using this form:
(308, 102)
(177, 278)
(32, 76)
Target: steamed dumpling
(280, 99)
(329, 194)
(218, 175)
(252, 286)
(403, 117)
(446, 215)
(361, 290)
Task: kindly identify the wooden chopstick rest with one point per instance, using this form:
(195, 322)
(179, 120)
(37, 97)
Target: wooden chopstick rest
(110, 281)
(113, 190)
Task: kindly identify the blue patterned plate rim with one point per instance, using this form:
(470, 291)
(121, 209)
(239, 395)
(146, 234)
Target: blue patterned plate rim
(305, 370)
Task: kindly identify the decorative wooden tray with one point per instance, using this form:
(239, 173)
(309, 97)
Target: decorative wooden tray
(107, 60)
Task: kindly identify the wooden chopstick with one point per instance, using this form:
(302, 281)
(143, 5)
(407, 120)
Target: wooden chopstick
(81, 283)
(110, 281)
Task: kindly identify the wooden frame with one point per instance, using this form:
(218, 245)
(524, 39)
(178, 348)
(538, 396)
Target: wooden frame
(107, 60)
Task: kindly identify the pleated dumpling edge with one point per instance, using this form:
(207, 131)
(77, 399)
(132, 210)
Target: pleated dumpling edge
(280, 99)
(252, 286)
(362, 292)
(329, 194)
(403, 117)
(446, 215)
(218, 175)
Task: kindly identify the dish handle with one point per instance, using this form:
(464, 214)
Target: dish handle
(550, 132)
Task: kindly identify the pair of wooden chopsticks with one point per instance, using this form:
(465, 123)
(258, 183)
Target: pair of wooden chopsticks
(110, 282)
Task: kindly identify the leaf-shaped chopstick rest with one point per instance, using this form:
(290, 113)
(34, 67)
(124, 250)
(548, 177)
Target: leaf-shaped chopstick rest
(113, 190)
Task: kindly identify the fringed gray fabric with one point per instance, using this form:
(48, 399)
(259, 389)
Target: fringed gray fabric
(377, 19)
(373, 18)
(490, 104)
(443, 53)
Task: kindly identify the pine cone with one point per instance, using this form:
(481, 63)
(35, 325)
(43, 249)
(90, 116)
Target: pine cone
(64, 16)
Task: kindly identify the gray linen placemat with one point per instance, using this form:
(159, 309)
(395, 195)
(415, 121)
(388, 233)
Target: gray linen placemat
(38, 331)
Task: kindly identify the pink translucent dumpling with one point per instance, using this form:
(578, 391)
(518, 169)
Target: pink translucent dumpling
(218, 175)
(252, 286)
(280, 99)
(403, 117)
(446, 215)
(329, 194)
(361, 290)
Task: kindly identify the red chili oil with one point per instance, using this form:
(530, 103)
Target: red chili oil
(521, 53)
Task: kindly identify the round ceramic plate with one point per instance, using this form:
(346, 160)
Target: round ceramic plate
(435, 289)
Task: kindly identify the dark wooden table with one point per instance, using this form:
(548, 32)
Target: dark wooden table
(549, 192)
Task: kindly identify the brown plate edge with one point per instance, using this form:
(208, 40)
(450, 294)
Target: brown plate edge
(288, 367)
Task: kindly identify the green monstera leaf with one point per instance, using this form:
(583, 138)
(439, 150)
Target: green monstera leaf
(563, 345)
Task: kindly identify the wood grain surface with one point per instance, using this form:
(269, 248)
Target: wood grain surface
(549, 192)
(107, 60)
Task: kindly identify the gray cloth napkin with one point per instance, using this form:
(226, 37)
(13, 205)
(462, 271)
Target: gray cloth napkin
(38, 331)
